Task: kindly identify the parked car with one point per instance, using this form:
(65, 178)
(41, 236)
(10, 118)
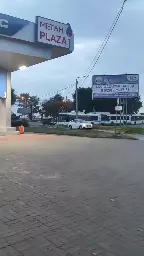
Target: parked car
(80, 124)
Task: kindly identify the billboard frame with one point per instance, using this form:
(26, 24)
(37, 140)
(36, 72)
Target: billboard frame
(120, 82)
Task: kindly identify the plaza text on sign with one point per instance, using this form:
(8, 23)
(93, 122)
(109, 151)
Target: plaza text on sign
(53, 32)
(115, 86)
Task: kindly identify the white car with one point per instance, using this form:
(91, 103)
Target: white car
(80, 124)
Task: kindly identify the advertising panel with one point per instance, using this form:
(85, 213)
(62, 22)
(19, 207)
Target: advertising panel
(115, 86)
(24, 111)
(53, 33)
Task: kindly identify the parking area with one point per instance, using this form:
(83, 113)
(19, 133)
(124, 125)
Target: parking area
(71, 196)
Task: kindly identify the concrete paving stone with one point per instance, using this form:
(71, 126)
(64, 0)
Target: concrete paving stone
(34, 252)
(3, 253)
(10, 251)
(71, 196)
(14, 239)
(4, 244)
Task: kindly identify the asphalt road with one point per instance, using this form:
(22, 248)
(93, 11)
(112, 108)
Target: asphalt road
(71, 196)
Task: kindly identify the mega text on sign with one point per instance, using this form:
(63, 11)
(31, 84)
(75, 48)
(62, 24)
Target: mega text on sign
(53, 32)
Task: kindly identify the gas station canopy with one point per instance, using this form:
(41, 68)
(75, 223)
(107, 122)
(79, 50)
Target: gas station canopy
(25, 43)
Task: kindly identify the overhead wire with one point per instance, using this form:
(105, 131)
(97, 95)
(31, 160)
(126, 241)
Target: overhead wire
(107, 35)
(58, 91)
(104, 43)
(98, 54)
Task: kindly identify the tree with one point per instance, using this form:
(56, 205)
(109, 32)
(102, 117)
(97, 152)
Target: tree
(105, 105)
(55, 105)
(13, 96)
(84, 99)
(134, 105)
(27, 101)
(86, 103)
(58, 98)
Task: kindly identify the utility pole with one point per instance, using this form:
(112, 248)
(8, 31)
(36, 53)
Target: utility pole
(76, 98)
(31, 107)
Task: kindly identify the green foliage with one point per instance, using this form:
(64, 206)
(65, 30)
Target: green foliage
(35, 103)
(84, 99)
(17, 123)
(13, 97)
(54, 105)
(25, 122)
(78, 133)
(27, 101)
(57, 98)
(47, 121)
(133, 130)
(134, 105)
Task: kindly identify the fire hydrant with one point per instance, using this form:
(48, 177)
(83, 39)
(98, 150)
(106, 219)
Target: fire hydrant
(21, 129)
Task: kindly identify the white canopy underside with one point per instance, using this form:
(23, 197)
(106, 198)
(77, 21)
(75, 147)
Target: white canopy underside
(12, 61)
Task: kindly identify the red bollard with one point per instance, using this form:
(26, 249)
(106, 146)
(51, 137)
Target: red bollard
(21, 129)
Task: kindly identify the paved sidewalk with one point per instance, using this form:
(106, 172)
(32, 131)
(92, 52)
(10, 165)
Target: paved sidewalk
(71, 196)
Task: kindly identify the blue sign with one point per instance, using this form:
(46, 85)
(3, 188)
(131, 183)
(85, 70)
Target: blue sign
(9, 25)
(115, 86)
(3, 84)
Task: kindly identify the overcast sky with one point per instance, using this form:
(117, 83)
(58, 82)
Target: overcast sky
(90, 21)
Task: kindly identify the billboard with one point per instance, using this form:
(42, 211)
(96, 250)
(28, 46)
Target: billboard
(53, 33)
(3, 84)
(24, 111)
(115, 86)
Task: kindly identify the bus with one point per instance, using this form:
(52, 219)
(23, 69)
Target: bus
(94, 117)
(137, 119)
(103, 118)
(120, 119)
(131, 119)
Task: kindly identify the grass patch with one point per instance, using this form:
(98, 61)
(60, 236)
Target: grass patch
(103, 127)
(79, 133)
(131, 130)
(121, 130)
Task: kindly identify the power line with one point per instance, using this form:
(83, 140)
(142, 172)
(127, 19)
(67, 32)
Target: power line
(98, 54)
(58, 91)
(104, 43)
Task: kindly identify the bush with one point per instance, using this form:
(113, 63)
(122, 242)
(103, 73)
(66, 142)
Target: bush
(17, 123)
(25, 122)
(48, 122)
(61, 126)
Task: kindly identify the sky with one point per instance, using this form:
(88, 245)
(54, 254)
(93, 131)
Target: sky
(90, 21)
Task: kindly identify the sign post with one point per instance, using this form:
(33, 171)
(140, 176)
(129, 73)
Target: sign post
(126, 110)
(118, 109)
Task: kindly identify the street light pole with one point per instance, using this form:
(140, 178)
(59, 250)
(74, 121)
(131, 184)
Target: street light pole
(76, 98)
